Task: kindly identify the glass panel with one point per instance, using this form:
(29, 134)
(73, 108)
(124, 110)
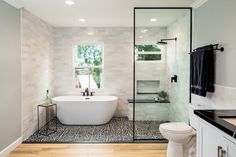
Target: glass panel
(162, 44)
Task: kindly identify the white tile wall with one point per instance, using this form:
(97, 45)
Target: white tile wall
(178, 64)
(37, 51)
(223, 98)
(118, 65)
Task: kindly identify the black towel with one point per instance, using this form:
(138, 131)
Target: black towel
(203, 70)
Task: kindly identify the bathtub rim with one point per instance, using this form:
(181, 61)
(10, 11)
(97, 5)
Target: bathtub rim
(75, 98)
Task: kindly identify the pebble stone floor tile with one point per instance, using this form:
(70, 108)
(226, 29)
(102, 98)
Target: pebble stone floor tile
(118, 130)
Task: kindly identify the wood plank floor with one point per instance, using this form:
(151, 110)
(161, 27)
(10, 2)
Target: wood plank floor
(90, 150)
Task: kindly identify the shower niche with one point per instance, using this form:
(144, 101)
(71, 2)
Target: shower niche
(148, 86)
(162, 41)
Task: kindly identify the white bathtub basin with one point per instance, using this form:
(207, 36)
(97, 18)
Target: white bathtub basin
(83, 110)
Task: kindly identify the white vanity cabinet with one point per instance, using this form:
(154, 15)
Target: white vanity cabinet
(212, 142)
(231, 148)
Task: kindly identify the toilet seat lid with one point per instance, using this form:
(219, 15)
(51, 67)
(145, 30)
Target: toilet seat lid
(176, 127)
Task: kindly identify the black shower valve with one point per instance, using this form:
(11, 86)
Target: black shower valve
(174, 78)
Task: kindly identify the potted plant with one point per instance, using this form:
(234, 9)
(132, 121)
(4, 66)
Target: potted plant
(164, 95)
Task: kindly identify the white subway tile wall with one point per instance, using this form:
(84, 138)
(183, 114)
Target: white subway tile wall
(37, 68)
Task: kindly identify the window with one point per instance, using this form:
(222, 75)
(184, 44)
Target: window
(148, 53)
(88, 65)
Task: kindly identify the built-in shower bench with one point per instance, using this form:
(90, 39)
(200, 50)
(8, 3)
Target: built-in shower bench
(149, 109)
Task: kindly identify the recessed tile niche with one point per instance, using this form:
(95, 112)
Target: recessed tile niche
(148, 86)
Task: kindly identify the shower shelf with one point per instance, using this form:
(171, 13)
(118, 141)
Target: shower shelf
(147, 101)
(147, 93)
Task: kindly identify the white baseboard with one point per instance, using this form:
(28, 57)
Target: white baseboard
(11, 147)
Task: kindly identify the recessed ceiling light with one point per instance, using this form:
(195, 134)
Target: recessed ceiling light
(144, 30)
(82, 20)
(90, 33)
(153, 20)
(69, 2)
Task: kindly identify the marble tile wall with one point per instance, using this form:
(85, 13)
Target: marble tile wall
(118, 65)
(37, 68)
(223, 98)
(178, 64)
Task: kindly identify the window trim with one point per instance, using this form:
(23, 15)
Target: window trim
(146, 53)
(101, 66)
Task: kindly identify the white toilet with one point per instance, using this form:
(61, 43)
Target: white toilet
(181, 137)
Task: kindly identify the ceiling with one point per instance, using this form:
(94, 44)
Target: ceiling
(97, 13)
(163, 17)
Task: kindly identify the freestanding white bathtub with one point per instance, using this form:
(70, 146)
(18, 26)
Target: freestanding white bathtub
(85, 110)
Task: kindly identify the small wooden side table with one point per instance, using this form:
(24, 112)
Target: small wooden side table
(48, 130)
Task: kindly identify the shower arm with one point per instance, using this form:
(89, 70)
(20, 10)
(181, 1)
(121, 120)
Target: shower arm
(169, 39)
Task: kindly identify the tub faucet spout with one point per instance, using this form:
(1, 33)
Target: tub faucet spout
(86, 91)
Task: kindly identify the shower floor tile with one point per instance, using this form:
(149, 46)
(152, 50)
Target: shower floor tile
(118, 130)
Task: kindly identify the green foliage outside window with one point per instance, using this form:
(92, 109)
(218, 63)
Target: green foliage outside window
(96, 72)
(89, 55)
(147, 48)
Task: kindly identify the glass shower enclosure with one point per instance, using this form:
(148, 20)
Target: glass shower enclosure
(162, 41)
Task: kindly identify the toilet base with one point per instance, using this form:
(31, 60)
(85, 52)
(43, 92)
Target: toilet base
(174, 149)
(182, 150)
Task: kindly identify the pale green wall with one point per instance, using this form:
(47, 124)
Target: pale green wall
(214, 22)
(10, 75)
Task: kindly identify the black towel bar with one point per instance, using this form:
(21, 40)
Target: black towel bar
(216, 47)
